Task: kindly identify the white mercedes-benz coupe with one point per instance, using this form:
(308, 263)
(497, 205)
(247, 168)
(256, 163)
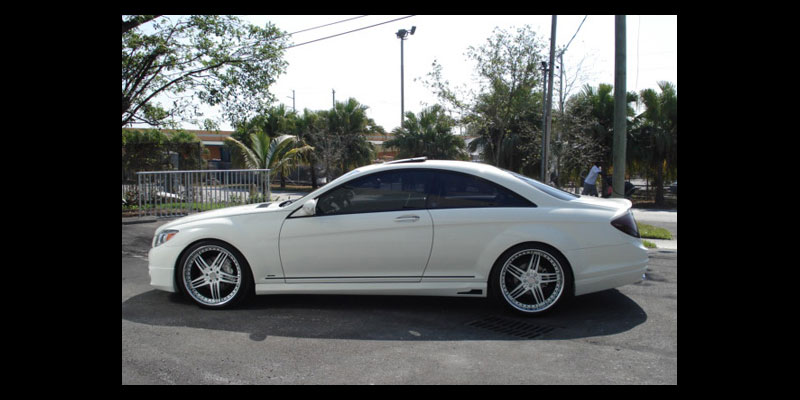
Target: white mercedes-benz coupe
(407, 227)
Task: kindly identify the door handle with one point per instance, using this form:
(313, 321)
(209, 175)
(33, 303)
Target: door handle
(407, 218)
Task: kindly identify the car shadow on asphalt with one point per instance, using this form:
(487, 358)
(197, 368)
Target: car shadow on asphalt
(390, 317)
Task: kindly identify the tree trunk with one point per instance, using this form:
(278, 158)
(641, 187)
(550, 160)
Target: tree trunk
(659, 182)
(313, 174)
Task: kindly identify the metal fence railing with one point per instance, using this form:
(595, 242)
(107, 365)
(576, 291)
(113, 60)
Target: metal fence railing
(178, 193)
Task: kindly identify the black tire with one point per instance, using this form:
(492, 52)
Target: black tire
(520, 287)
(220, 273)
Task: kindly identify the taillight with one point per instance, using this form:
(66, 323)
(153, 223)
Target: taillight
(626, 224)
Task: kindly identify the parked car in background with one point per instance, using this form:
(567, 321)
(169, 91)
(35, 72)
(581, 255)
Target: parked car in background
(408, 227)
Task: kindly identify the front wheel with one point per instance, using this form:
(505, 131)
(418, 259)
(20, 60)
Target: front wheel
(531, 278)
(214, 275)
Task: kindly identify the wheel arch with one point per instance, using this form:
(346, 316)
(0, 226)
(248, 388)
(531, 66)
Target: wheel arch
(179, 260)
(558, 253)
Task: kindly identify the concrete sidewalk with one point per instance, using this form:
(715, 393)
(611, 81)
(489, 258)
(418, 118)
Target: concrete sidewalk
(667, 219)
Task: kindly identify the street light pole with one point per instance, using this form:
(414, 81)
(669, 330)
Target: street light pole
(402, 34)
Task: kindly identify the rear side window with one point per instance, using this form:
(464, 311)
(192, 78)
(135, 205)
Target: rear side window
(555, 192)
(457, 190)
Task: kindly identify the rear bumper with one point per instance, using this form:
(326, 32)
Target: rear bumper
(607, 267)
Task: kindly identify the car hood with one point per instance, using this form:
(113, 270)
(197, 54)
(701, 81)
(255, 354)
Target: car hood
(224, 212)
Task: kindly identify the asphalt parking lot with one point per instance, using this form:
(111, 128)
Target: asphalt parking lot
(626, 335)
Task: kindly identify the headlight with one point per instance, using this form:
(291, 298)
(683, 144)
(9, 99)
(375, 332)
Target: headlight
(164, 236)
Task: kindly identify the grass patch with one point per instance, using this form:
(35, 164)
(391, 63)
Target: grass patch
(649, 245)
(653, 232)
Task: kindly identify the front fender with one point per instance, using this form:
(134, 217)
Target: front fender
(254, 235)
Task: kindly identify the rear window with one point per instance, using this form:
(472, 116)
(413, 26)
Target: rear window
(557, 193)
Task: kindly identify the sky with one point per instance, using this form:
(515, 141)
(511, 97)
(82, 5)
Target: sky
(365, 64)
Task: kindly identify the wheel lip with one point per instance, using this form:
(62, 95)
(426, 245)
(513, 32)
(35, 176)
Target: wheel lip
(554, 297)
(198, 297)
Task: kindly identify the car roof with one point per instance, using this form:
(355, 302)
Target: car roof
(487, 171)
(423, 162)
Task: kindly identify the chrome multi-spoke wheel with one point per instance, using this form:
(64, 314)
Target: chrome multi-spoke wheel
(214, 275)
(531, 278)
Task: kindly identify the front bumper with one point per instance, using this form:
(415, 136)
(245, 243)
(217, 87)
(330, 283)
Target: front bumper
(162, 260)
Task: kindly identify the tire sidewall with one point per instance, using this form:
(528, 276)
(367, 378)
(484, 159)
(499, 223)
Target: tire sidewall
(246, 275)
(495, 291)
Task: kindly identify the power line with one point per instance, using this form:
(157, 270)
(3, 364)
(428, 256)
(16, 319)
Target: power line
(576, 34)
(344, 33)
(322, 26)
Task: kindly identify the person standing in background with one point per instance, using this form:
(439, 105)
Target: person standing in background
(589, 184)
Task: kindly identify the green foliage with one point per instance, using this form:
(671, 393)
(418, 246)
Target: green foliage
(506, 113)
(428, 134)
(597, 105)
(507, 110)
(218, 60)
(654, 137)
(149, 150)
(279, 154)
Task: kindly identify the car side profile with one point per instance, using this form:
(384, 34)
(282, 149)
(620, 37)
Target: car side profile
(408, 227)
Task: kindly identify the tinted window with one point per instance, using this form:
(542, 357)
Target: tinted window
(383, 191)
(555, 192)
(456, 190)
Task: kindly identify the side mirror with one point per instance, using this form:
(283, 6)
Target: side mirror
(309, 208)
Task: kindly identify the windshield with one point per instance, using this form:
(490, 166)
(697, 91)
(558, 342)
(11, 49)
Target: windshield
(555, 192)
(332, 183)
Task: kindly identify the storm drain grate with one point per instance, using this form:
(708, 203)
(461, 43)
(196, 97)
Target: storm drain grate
(512, 327)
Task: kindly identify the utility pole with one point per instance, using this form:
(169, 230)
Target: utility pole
(557, 158)
(620, 107)
(548, 127)
(293, 109)
(334, 98)
(544, 120)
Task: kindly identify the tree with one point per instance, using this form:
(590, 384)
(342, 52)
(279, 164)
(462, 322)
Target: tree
(150, 150)
(428, 134)
(348, 123)
(578, 147)
(218, 60)
(595, 107)
(655, 138)
(310, 127)
(507, 109)
(280, 154)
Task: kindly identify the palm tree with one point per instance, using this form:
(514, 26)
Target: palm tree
(657, 135)
(310, 127)
(348, 122)
(428, 134)
(280, 155)
(598, 106)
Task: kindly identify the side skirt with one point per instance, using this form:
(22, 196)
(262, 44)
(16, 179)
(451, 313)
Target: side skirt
(424, 288)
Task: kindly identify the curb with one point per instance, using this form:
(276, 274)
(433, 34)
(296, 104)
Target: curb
(133, 221)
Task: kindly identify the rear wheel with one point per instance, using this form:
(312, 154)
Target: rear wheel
(214, 275)
(531, 278)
